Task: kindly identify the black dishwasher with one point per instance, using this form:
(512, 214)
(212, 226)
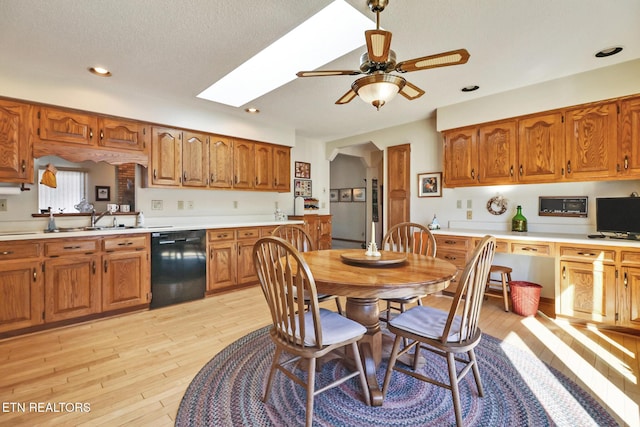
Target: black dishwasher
(178, 267)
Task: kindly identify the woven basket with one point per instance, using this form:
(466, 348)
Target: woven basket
(525, 297)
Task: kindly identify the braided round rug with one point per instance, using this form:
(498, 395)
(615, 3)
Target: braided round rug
(520, 390)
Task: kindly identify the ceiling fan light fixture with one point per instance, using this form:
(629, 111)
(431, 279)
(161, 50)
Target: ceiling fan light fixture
(378, 89)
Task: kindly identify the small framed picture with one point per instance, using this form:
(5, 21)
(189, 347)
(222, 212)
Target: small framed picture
(302, 187)
(103, 193)
(430, 184)
(333, 195)
(359, 195)
(345, 194)
(303, 170)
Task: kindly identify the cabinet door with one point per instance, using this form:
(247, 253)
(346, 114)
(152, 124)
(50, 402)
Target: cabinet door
(263, 166)
(125, 279)
(243, 164)
(282, 169)
(123, 134)
(195, 162)
(324, 232)
(629, 145)
(629, 308)
(72, 287)
(22, 299)
(166, 162)
(540, 148)
(220, 162)
(67, 126)
(588, 291)
(16, 161)
(591, 142)
(461, 157)
(497, 153)
(221, 268)
(246, 268)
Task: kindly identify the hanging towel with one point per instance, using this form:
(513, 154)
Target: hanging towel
(49, 176)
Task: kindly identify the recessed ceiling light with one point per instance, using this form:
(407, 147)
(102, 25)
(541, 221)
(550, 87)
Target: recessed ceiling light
(331, 33)
(470, 88)
(252, 110)
(99, 71)
(608, 52)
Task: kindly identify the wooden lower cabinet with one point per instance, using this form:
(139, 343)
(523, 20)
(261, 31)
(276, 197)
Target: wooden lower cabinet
(629, 289)
(318, 227)
(22, 294)
(456, 250)
(125, 272)
(72, 287)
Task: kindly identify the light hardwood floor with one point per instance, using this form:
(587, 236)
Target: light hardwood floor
(133, 370)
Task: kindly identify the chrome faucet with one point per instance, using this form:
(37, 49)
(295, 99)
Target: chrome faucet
(95, 219)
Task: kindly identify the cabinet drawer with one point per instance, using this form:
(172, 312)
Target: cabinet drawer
(630, 258)
(457, 258)
(221, 234)
(248, 233)
(266, 231)
(605, 255)
(532, 249)
(452, 242)
(124, 242)
(19, 250)
(502, 246)
(58, 248)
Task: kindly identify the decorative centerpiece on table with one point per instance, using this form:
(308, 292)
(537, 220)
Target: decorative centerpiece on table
(372, 248)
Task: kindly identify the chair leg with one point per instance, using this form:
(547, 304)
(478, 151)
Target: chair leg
(453, 378)
(363, 377)
(339, 306)
(274, 363)
(392, 363)
(311, 384)
(388, 311)
(476, 372)
(504, 290)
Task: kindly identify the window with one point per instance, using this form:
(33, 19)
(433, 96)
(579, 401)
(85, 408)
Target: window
(71, 189)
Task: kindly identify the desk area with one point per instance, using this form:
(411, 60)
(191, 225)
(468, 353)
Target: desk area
(595, 280)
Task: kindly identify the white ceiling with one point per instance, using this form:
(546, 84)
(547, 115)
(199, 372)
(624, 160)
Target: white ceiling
(173, 49)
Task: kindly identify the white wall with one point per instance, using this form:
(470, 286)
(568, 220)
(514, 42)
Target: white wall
(349, 218)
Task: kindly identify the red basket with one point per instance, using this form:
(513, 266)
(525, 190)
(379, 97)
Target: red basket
(525, 297)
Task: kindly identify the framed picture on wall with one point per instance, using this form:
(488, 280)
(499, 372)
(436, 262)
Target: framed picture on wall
(333, 195)
(359, 195)
(302, 187)
(303, 170)
(345, 194)
(103, 193)
(430, 184)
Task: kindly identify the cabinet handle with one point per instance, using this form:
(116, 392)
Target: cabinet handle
(155, 175)
(184, 176)
(93, 267)
(71, 247)
(125, 244)
(521, 170)
(256, 180)
(473, 174)
(105, 265)
(101, 134)
(626, 162)
(586, 253)
(564, 273)
(529, 248)
(569, 167)
(452, 258)
(511, 171)
(6, 253)
(24, 166)
(35, 275)
(626, 280)
(450, 242)
(212, 178)
(90, 133)
(220, 236)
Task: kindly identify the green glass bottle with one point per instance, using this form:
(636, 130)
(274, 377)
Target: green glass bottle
(519, 222)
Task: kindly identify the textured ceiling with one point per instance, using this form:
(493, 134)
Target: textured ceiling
(175, 49)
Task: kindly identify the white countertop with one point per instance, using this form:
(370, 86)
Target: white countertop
(540, 237)
(29, 235)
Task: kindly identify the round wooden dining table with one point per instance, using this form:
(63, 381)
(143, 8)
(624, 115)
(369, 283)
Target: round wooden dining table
(364, 280)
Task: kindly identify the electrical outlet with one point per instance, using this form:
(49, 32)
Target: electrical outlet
(180, 205)
(3, 205)
(469, 204)
(190, 205)
(156, 205)
(469, 214)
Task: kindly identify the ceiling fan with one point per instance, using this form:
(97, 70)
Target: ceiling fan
(379, 85)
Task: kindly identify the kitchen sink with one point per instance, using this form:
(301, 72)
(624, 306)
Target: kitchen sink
(89, 228)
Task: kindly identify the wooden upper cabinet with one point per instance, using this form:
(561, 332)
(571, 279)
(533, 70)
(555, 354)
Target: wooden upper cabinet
(282, 168)
(263, 166)
(540, 148)
(628, 161)
(195, 164)
(166, 149)
(220, 162)
(66, 126)
(461, 157)
(497, 153)
(243, 164)
(122, 134)
(591, 141)
(16, 160)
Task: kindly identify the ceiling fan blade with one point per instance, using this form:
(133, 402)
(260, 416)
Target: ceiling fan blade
(320, 73)
(347, 97)
(443, 59)
(411, 91)
(378, 45)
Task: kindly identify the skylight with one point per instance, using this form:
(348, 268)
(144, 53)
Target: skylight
(334, 31)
